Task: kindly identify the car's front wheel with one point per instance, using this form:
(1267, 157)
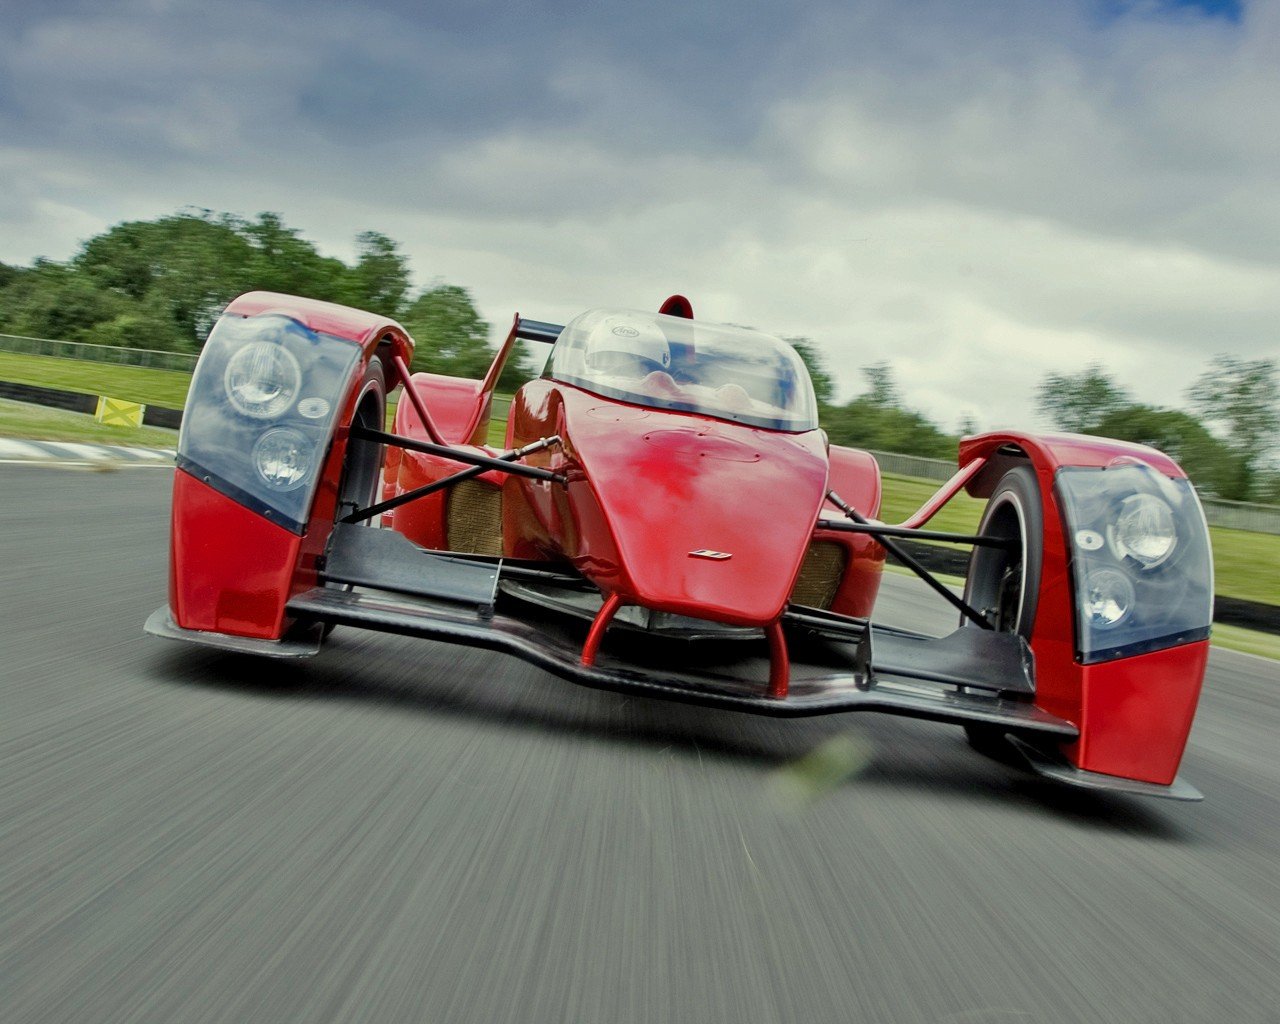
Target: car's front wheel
(358, 484)
(1003, 583)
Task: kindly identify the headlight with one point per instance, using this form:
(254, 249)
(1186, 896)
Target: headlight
(262, 409)
(1141, 567)
(1143, 531)
(262, 380)
(1108, 598)
(283, 458)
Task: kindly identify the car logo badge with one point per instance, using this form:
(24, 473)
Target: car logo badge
(715, 556)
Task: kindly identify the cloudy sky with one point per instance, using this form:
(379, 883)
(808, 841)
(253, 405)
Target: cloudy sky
(977, 192)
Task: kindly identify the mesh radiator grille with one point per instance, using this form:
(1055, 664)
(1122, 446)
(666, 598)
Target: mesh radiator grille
(474, 520)
(820, 574)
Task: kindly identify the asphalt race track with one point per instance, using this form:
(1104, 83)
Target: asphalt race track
(405, 832)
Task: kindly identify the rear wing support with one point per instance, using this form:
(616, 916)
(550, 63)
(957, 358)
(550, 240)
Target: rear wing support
(536, 330)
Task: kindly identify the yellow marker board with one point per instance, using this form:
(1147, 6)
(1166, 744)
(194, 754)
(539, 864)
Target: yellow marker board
(117, 413)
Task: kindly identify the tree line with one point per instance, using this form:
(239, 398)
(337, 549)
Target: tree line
(1226, 442)
(160, 284)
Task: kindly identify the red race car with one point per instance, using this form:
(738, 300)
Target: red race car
(667, 519)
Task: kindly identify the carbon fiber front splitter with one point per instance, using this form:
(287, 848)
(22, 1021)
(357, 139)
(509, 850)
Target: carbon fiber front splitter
(826, 675)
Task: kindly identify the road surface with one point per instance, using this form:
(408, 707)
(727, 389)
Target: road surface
(402, 831)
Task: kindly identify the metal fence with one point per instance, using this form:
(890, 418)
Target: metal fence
(183, 361)
(915, 465)
(1241, 515)
(1232, 515)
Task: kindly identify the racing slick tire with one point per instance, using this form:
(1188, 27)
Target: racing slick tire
(1004, 583)
(358, 483)
(362, 464)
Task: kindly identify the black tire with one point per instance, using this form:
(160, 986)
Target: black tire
(358, 484)
(1004, 583)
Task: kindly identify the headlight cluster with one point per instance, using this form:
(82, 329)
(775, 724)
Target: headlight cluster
(261, 411)
(1140, 560)
(262, 380)
(1143, 531)
(283, 458)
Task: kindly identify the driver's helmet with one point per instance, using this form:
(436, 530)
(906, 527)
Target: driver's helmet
(627, 346)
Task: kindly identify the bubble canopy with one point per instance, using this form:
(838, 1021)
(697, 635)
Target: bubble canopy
(668, 362)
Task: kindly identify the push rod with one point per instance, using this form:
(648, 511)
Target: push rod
(879, 530)
(893, 548)
(363, 514)
(457, 454)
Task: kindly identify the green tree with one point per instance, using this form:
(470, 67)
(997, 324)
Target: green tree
(877, 420)
(281, 261)
(187, 265)
(453, 340)
(146, 324)
(1212, 466)
(823, 385)
(1266, 487)
(51, 300)
(451, 337)
(866, 424)
(1242, 396)
(522, 366)
(882, 388)
(162, 283)
(1076, 402)
(379, 281)
(8, 275)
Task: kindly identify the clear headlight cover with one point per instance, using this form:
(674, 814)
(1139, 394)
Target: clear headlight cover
(1149, 584)
(283, 458)
(1144, 531)
(262, 380)
(1108, 598)
(261, 412)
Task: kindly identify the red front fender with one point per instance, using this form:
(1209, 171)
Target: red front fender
(1134, 713)
(234, 563)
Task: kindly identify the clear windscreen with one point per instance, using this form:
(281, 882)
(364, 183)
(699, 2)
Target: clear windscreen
(668, 362)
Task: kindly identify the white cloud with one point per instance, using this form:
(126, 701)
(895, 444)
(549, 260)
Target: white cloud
(978, 193)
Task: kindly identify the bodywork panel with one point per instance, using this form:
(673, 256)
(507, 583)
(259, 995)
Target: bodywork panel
(650, 489)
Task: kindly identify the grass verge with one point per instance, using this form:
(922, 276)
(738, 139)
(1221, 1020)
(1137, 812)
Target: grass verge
(1247, 641)
(37, 423)
(166, 388)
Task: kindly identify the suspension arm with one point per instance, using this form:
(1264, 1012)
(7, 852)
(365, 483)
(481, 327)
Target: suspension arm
(894, 548)
(445, 451)
(360, 515)
(879, 530)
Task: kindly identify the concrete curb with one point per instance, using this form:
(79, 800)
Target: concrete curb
(24, 450)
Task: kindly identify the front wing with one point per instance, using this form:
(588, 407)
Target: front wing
(376, 579)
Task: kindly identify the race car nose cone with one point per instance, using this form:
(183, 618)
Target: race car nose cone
(710, 519)
(702, 444)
